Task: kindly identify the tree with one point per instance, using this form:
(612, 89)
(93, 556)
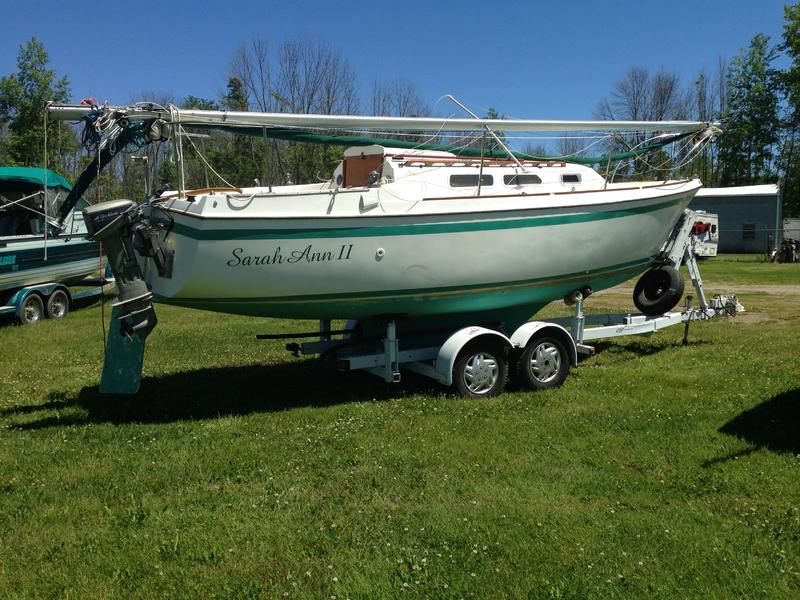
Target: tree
(236, 98)
(641, 96)
(312, 77)
(23, 96)
(747, 151)
(709, 105)
(397, 98)
(790, 82)
(235, 155)
(300, 76)
(790, 79)
(251, 64)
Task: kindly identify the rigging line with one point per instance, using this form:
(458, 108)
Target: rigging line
(44, 188)
(102, 295)
(205, 162)
(582, 150)
(490, 132)
(145, 104)
(175, 116)
(692, 154)
(12, 203)
(632, 149)
(663, 165)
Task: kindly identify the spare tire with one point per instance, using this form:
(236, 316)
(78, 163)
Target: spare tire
(658, 290)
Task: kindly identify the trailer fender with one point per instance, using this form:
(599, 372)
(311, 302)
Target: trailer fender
(524, 333)
(449, 351)
(43, 289)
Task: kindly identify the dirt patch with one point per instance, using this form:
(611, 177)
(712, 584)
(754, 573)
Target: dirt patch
(783, 290)
(719, 288)
(751, 318)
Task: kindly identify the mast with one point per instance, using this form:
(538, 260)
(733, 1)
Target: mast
(144, 123)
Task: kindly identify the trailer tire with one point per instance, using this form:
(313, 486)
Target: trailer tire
(58, 305)
(481, 371)
(544, 364)
(32, 309)
(658, 290)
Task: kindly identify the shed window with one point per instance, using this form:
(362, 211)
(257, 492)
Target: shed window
(748, 231)
(470, 180)
(521, 179)
(571, 178)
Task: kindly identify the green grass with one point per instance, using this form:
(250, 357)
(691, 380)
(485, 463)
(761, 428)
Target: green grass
(657, 470)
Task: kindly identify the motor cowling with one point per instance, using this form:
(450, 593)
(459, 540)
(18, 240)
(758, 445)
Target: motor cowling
(113, 224)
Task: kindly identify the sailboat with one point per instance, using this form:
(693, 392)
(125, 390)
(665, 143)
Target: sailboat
(426, 235)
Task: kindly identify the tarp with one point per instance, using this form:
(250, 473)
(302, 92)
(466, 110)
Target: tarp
(34, 175)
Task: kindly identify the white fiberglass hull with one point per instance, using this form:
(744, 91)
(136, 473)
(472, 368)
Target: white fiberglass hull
(514, 254)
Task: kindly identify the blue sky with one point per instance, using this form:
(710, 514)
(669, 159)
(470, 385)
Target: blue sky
(548, 60)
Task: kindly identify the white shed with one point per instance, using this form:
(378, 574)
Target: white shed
(749, 216)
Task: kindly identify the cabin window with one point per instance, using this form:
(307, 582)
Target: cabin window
(748, 231)
(571, 178)
(521, 179)
(470, 180)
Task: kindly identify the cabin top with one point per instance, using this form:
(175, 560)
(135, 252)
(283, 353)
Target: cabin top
(365, 166)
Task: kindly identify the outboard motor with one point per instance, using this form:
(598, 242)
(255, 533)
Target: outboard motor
(115, 224)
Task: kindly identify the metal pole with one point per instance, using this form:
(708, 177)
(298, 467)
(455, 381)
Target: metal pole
(486, 127)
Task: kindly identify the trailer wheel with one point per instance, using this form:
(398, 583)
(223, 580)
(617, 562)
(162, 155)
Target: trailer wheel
(481, 371)
(58, 305)
(658, 290)
(544, 364)
(32, 309)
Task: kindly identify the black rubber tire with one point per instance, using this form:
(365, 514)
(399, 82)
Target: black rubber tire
(554, 368)
(464, 370)
(58, 305)
(32, 309)
(658, 291)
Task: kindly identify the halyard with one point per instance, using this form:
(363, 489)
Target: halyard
(240, 471)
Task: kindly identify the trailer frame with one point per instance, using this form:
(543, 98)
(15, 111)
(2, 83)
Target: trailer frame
(566, 336)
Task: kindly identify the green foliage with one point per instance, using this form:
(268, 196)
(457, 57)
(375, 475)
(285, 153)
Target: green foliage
(790, 80)
(194, 102)
(23, 96)
(167, 176)
(748, 150)
(236, 98)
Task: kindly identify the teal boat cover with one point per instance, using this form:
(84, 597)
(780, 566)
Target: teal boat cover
(35, 175)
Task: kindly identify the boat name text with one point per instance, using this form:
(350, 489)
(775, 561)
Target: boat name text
(309, 254)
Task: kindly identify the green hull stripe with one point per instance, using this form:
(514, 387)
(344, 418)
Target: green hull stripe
(417, 228)
(498, 287)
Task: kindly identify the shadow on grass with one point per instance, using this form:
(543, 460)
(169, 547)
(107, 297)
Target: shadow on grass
(213, 392)
(772, 425)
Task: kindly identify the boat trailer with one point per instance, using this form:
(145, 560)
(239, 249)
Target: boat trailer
(478, 360)
(54, 299)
